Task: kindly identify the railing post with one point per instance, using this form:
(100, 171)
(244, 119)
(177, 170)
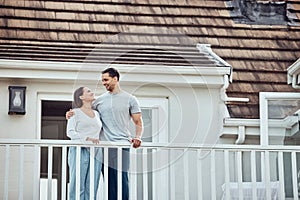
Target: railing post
(186, 174)
(239, 174)
(64, 173)
(199, 175)
(49, 184)
(6, 171)
(36, 181)
(21, 172)
(281, 175)
(119, 170)
(154, 173)
(133, 174)
(213, 175)
(78, 171)
(227, 175)
(105, 179)
(92, 173)
(267, 177)
(172, 178)
(253, 175)
(294, 175)
(145, 174)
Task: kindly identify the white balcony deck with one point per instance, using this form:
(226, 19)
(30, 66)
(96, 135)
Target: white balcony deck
(160, 171)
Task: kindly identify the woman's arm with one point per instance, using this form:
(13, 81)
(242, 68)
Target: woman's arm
(71, 131)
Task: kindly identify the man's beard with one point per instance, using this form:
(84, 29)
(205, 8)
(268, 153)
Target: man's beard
(109, 88)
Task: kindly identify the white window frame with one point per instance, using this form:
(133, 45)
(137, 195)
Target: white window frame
(264, 97)
(160, 125)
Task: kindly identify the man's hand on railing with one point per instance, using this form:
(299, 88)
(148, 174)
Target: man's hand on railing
(69, 114)
(136, 142)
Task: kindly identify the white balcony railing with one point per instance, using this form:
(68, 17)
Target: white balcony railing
(157, 171)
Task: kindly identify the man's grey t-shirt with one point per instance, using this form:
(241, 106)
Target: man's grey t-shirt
(115, 113)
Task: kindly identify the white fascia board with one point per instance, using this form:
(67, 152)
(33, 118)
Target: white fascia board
(181, 75)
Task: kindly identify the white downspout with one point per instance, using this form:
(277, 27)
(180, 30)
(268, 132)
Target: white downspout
(225, 98)
(241, 135)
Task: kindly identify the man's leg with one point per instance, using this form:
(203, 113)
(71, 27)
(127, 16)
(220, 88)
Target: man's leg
(112, 174)
(125, 168)
(97, 169)
(125, 187)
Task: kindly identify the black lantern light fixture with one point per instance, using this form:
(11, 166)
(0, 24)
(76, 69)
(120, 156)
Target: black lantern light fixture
(16, 100)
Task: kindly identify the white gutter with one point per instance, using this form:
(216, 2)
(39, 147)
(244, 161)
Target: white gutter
(206, 48)
(98, 67)
(251, 127)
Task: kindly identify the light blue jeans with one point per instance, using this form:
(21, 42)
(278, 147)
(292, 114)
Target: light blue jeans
(84, 172)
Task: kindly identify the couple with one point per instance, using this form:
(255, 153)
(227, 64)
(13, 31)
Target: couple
(111, 113)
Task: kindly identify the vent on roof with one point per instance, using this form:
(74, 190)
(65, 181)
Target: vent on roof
(259, 12)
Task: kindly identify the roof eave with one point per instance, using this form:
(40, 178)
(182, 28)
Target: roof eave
(132, 74)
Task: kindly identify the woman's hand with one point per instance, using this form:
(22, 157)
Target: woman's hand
(93, 140)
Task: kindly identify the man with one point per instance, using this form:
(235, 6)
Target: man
(116, 108)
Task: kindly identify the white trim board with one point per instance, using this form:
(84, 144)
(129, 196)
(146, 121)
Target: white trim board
(131, 74)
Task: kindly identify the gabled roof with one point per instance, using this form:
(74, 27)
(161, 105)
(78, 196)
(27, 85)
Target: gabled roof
(156, 32)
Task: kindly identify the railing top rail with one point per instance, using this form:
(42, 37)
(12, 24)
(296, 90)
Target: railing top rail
(150, 145)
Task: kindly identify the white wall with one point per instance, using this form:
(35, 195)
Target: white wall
(195, 116)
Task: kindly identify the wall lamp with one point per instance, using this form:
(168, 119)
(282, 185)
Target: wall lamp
(16, 100)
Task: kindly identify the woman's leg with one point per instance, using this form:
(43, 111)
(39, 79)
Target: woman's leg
(72, 172)
(84, 174)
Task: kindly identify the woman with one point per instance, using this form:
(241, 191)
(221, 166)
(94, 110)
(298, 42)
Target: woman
(85, 126)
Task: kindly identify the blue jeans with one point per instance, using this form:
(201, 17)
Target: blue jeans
(113, 173)
(84, 172)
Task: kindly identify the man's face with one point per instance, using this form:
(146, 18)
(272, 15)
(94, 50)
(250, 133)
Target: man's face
(109, 82)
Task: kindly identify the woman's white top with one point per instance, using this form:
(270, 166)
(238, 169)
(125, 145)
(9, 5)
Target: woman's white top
(80, 126)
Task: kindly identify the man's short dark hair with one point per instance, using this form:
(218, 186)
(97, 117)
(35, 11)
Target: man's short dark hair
(112, 72)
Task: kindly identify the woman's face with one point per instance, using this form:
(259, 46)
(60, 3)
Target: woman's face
(87, 95)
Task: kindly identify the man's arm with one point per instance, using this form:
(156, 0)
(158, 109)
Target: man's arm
(69, 114)
(138, 122)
